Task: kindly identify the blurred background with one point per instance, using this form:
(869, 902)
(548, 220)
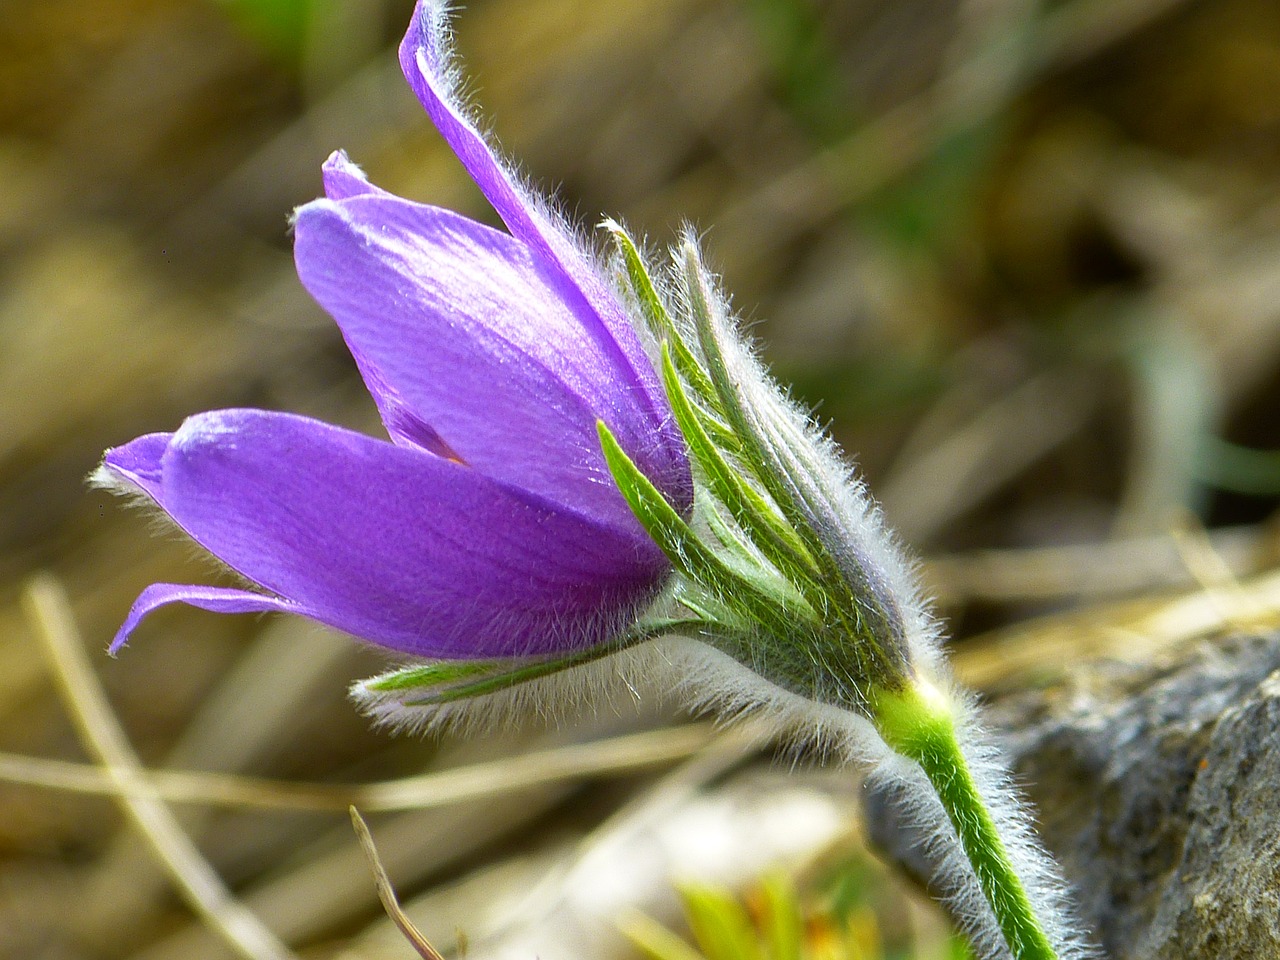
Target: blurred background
(1023, 257)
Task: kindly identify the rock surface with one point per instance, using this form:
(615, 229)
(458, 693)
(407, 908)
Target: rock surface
(1158, 788)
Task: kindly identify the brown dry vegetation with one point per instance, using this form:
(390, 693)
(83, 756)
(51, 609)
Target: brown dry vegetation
(1027, 256)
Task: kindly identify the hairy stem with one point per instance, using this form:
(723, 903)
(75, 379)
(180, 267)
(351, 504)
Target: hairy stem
(918, 722)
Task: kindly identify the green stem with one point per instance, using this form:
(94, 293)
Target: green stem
(918, 722)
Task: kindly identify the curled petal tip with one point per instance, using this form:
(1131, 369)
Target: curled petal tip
(310, 212)
(213, 599)
(135, 466)
(427, 32)
(343, 178)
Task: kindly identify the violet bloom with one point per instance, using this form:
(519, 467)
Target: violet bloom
(490, 525)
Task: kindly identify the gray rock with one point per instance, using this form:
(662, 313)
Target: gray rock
(1158, 790)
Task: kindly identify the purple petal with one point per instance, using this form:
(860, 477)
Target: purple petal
(388, 543)
(343, 179)
(214, 599)
(466, 349)
(138, 462)
(424, 59)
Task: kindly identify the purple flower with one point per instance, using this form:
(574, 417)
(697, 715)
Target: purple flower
(490, 525)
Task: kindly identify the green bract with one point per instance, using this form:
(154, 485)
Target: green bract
(766, 548)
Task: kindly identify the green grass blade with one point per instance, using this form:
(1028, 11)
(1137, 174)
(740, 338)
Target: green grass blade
(720, 924)
(783, 921)
(656, 941)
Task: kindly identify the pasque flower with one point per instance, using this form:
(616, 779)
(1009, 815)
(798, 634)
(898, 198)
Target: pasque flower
(489, 524)
(582, 457)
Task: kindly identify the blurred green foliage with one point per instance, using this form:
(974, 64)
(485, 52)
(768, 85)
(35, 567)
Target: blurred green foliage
(800, 54)
(280, 26)
(775, 921)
